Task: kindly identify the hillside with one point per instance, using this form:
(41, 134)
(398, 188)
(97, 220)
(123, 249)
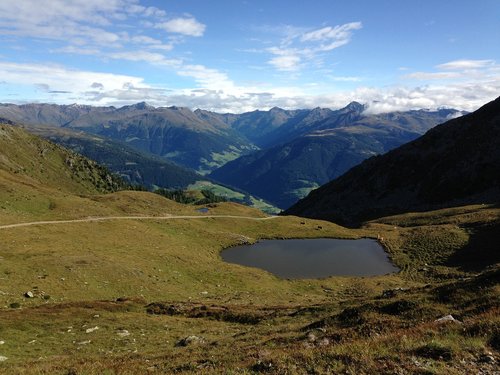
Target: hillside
(323, 150)
(135, 167)
(26, 159)
(456, 163)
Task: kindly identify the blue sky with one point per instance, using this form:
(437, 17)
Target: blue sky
(236, 56)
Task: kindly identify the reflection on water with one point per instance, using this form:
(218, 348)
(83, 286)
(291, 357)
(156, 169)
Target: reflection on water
(313, 258)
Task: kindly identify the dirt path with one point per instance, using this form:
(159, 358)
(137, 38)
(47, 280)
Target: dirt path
(107, 218)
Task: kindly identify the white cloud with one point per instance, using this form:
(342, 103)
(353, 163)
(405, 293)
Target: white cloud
(77, 50)
(207, 78)
(344, 79)
(141, 55)
(466, 64)
(62, 20)
(96, 27)
(58, 78)
(299, 46)
(337, 33)
(184, 26)
(432, 75)
(486, 71)
(286, 60)
(154, 12)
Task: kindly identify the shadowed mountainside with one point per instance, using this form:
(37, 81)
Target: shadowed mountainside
(454, 164)
(323, 150)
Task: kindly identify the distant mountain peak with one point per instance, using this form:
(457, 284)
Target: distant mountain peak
(355, 107)
(137, 106)
(76, 105)
(143, 105)
(180, 109)
(320, 110)
(276, 109)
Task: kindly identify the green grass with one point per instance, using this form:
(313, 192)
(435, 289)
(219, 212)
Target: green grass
(106, 274)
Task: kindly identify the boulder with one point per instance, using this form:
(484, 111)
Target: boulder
(447, 318)
(190, 340)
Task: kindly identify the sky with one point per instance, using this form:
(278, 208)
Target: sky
(242, 55)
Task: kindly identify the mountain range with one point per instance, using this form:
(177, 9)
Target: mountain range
(320, 147)
(279, 155)
(456, 163)
(174, 133)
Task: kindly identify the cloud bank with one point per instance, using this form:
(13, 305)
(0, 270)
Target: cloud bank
(217, 92)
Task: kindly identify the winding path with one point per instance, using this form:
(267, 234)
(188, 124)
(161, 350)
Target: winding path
(107, 218)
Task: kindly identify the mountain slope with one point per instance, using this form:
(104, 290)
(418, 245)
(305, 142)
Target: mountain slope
(173, 133)
(453, 164)
(26, 159)
(287, 172)
(136, 167)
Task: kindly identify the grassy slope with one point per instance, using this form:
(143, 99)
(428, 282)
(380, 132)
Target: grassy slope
(104, 274)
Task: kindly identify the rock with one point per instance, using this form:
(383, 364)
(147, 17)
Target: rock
(325, 341)
(29, 294)
(487, 358)
(190, 340)
(447, 318)
(262, 366)
(84, 342)
(123, 333)
(390, 293)
(3, 358)
(2, 342)
(90, 330)
(311, 337)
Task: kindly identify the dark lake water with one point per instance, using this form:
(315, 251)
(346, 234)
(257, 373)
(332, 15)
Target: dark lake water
(313, 258)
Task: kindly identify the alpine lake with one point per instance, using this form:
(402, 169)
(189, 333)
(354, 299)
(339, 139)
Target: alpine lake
(313, 258)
